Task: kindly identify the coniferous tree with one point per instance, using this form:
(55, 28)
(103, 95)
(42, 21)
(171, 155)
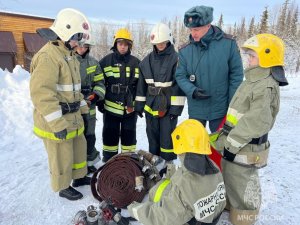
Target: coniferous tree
(220, 22)
(251, 28)
(294, 23)
(280, 28)
(264, 21)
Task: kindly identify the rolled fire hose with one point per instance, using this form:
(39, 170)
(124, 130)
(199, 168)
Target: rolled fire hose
(115, 181)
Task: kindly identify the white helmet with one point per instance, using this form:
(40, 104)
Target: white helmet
(161, 33)
(69, 22)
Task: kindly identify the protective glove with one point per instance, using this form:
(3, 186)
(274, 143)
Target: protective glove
(173, 117)
(140, 114)
(92, 98)
(61, 134)
(199, 94)
(228, 155)
(100, 106)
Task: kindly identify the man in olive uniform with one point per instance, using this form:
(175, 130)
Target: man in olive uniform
(194, 193)
(93, 89)
(58, 103)
(250, 117)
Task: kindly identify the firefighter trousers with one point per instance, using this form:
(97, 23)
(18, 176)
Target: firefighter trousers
(114, 128)
(67, 161)
(243, 192)
(89, 133)
(159, 132)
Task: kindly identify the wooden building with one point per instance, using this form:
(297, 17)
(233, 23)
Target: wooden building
(18, 38)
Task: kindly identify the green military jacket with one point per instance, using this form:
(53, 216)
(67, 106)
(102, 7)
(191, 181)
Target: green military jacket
(252, 110)
(55, 79)
(184, 196)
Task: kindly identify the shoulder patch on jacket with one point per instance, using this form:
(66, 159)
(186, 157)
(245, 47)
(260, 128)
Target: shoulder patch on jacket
(229, 36)
(184, 45)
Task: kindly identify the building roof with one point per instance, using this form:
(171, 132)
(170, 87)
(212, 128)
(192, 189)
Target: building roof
(24, 15)
(7, 42)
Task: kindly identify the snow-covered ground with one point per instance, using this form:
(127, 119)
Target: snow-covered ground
(26, 196)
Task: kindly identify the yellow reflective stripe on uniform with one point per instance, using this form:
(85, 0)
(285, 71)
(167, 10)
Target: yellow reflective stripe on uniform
(233, 116)
(149, 110)
(108, 71)
(53, 116)
(100, 89)
(91, 69)
(116, 111)
(136, 72)
(115, 69)
(166, 150)
(110, 148)
(140, 98)
(108, 68)
(77, 166)
(115, 105)
(127, 71)
(98, 77)
(178, 100)
(128, 148)
(92, 112)
(49, 135)
(160, 190)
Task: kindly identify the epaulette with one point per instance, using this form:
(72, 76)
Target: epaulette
(229, 36)
(184, 45)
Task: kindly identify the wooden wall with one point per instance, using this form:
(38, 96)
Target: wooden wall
(17, 24)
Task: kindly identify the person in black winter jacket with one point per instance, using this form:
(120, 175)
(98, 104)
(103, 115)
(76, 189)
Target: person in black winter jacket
(158, 95)
(121, 73)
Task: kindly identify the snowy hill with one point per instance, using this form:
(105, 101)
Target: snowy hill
(25, 193)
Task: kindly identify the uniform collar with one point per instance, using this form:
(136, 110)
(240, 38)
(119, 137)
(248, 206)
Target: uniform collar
(256, 73)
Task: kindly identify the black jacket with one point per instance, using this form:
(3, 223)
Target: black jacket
(121, 75)
(157, 89)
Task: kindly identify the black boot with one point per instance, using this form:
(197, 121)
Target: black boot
(92, 169)
(70, 194)
(81, 181)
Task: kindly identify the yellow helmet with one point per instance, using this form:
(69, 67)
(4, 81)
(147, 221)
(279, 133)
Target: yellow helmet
(123, 34)
(191, 136)
(268, 47)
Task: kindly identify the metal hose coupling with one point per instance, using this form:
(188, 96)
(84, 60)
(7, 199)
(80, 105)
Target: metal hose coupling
(139, 183)
(92, 215)
(153, 159)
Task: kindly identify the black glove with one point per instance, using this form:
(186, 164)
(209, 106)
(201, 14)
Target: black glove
(228, 155)
(173, 117)
(61, 134)
(140, 114)
(100, 106)
(199, 94)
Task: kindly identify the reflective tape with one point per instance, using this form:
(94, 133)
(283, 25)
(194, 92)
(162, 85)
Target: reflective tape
(53, 116)
(166, 150)
(100, 89)
(91, 69)
(178, 100)
(163, 84)
(92, 112)
(128, 148)
(82, 103)
(50, 135)
(68, 87)
(98, 77)
(160, 190)
(149, 110)
(110, 148)
(140, 98)
(235, 143)
(111, 109)
(77, 166)
(233, 116)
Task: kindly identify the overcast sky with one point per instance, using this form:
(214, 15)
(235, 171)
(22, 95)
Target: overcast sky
(150, 10)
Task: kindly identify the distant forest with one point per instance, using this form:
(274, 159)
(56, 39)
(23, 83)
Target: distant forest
(282, 21)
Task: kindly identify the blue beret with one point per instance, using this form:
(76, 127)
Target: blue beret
(198, 16)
